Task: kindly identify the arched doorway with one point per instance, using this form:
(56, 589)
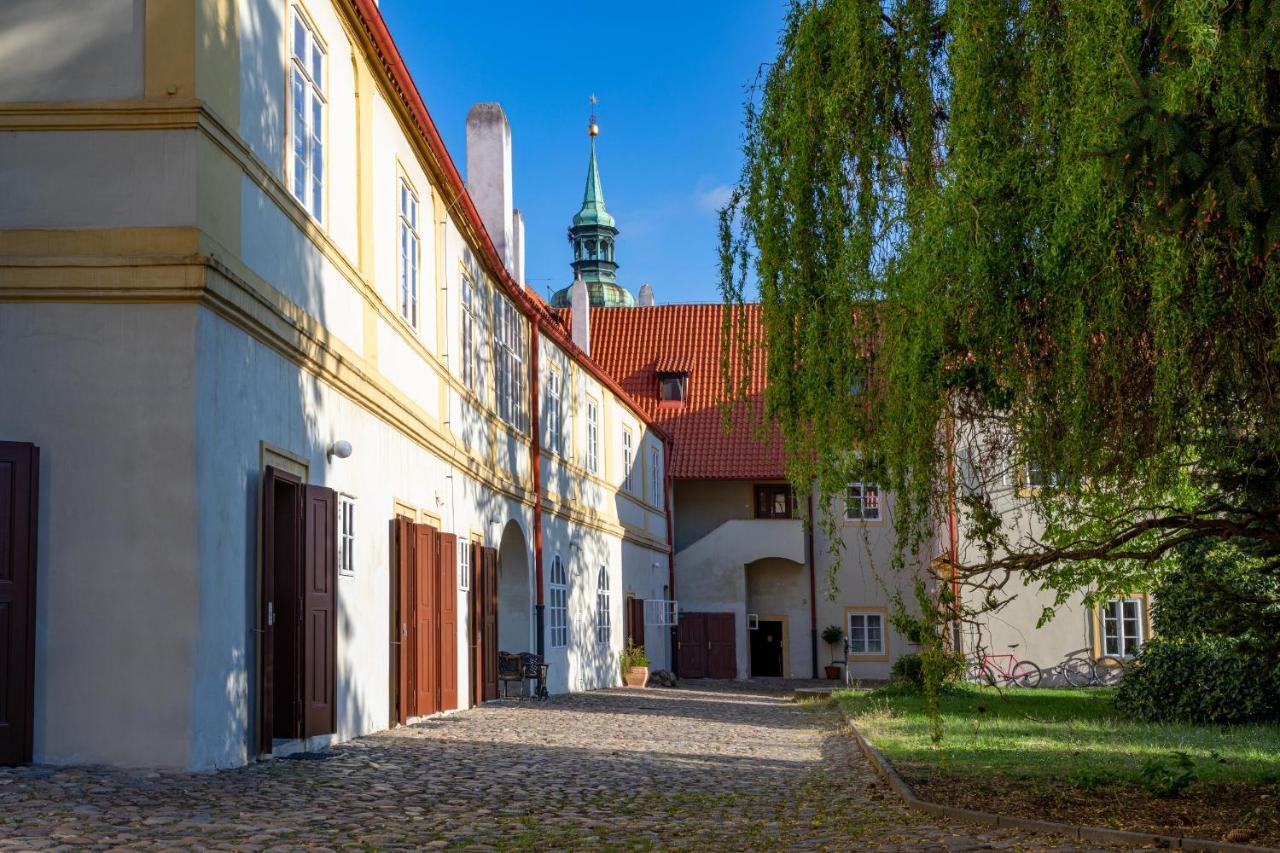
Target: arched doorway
(515, 592)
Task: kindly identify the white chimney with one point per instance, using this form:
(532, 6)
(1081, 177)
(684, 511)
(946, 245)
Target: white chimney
(517, 231)
(489, 176)
(580, 314)
(646, 295)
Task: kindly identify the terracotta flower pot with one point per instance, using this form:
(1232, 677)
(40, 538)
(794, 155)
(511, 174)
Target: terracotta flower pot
(833, 672)
(637, 676)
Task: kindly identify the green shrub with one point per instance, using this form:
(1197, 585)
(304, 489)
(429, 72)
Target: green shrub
(909, 669)
(1168, 780)
(1199, 680)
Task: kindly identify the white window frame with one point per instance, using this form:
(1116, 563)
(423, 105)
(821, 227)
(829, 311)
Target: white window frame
(308, 66)
(593, 436)
(628, 482)
(555, 435)
(863, 632)
(1118, 639)
(508, 357)
(346, 535)
(470, 334)
(604, 620)
(655, 477)
(464, 564)
(558, 602)
(408, 251)
(856, 504)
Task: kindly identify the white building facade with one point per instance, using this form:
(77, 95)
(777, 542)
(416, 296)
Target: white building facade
(250, 315)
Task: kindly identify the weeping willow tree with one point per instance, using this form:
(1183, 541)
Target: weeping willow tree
(1005, 243)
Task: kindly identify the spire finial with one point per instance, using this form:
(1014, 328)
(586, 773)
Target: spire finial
(593, 129)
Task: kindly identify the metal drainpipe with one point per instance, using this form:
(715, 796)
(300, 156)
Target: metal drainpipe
(535, 445)
(671, 547)
(813, 590)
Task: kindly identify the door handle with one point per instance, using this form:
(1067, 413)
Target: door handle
(271, 614)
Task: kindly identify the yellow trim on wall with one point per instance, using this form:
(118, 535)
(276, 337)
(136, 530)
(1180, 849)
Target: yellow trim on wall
(169, 49)
(884, 633)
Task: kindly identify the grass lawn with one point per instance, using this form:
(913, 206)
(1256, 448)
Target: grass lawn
(1069, 755)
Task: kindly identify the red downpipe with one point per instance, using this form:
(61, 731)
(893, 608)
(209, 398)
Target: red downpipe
(671, 541)
(535, 449)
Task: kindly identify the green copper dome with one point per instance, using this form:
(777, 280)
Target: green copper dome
(602, 296)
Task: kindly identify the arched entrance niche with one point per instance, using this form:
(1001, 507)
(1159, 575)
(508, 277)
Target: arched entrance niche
(515, 592)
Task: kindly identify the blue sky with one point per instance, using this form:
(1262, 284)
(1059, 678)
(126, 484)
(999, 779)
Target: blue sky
(671, 80)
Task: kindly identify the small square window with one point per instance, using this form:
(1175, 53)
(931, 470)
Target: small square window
(347, 535)
(673, 387)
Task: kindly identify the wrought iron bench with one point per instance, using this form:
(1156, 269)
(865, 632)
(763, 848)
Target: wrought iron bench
(526, 669)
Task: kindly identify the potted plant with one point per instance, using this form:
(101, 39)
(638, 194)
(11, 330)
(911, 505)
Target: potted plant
(635, 666)
(833, 636)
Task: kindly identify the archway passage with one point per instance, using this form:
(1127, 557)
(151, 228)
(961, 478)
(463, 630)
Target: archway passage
(515, 592)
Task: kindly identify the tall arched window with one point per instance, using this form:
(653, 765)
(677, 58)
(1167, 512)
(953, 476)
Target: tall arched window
(604, 632)
(559, 604)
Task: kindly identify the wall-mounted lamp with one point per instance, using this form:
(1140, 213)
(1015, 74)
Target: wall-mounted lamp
(576, 543)
(340, 448)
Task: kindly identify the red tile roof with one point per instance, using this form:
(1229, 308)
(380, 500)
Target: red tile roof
(634, 345)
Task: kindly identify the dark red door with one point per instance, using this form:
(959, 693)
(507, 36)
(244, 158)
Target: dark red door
(490, 661)
(722, 658)
(402, 644)
(447, 597)
(475, 622)
(424, 630)
(19, 478)
(692, 645)
(635, 622)
(320, 612)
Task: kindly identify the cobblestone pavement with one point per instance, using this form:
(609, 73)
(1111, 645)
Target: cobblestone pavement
(710, 767)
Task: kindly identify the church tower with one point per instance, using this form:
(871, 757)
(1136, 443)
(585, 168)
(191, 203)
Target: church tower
(592, 234)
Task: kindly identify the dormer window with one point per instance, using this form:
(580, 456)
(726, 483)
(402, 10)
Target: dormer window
(673, 387)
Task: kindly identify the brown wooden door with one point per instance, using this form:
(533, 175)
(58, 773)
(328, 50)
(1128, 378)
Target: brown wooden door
(425, 622)
(447, 597)
(691, 645)
(320, 612)
(490, 661)
(635, 622)
(722, 658)
(475, 624)
(402, 644)
(19, 499)
(278, 687)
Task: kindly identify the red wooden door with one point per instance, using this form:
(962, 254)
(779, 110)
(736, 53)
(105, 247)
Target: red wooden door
(447, 598)
(19, 478)
(490, 661)
(402, 645)
(722, 658)
(424, 631)
(635, 622)
(692, 645)
(475, 624)
(320, 612)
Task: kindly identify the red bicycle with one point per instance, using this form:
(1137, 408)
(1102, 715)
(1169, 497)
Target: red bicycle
(1004, 669)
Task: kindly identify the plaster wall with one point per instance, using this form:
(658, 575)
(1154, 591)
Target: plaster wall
(285, 257)
(110, 179)
(706, 504)
(781, 588)
(107, 393)
(72, 50)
